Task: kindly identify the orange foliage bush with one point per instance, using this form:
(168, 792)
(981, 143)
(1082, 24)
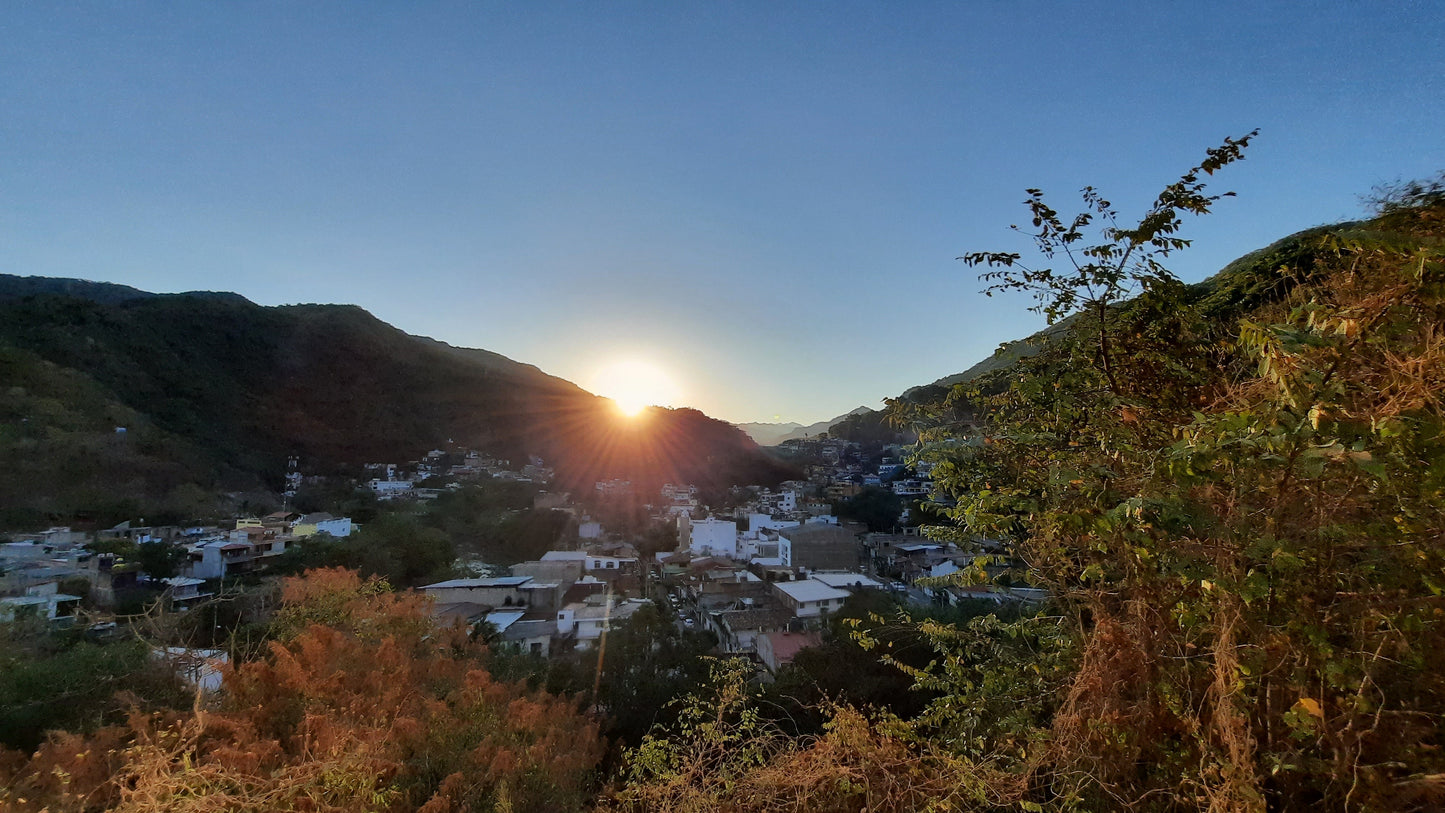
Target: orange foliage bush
(362, 704)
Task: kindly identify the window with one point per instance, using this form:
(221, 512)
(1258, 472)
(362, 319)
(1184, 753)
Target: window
(536, 647)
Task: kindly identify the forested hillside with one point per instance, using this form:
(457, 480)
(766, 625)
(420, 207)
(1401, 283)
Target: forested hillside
(215, 392)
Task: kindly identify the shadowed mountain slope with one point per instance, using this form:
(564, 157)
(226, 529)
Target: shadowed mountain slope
(219, 392)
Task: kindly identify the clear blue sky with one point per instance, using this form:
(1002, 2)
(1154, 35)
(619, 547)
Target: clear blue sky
(764, 199)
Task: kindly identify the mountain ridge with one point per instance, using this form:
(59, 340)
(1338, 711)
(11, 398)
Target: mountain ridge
(218, 392)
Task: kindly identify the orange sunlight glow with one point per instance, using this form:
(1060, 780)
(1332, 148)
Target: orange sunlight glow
(634, 385)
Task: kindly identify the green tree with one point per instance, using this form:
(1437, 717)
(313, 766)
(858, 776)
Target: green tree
(1092, 278)
(527, 535)
(59, 681)
(396, 547)
(159, 560)
(399, 548)
(647, 665)
(878, 508)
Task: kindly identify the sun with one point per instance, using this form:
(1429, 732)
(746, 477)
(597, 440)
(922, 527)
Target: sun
(634, 385)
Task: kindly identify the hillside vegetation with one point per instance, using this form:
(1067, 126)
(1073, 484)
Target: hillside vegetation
(216, 392)
(1237, 492)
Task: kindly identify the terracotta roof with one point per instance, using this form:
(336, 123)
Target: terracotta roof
(787, 645)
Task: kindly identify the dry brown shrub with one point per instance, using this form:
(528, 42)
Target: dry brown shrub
(857, 765)
(388, 713)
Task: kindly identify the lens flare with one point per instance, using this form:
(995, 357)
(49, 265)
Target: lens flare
(634, 385)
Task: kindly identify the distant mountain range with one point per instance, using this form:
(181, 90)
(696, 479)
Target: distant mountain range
(215, 392)
(772, 434)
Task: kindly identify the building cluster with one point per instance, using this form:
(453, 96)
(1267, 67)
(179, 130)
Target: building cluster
(32, 570)
(390, 481)
(562, 602)
(841, 470)
(762, 577)
(34, 566)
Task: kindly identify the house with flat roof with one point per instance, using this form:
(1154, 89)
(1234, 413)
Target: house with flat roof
(852, 582)
(737, 629)
(497, 591)
(40, 601)
(531, 634)
(185, 591)
(592, 561)
(585, 622)
(809, 598)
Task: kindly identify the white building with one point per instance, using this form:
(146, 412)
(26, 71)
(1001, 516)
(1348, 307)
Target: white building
(40, 601)
(387, 489)
(586, 621)
(714, 537)
(338, 527)
(202, 668)
(672, 491)
(809, 597)
(234, 552)
(911, 488)
(590, 561)
(186, 591)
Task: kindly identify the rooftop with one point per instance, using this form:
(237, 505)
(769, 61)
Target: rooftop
(786, 645)
(466, 611)
(846, 580)
(183, 581)
(495, 581)
(618, 611)
(502, 619)
(756, 618)
(36, 601)
(809, 590)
